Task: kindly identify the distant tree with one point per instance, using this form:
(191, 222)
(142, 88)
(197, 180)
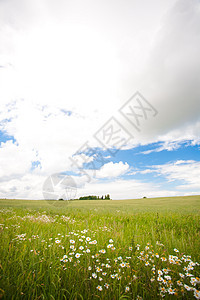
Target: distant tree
(88, 197)
(102, 197)
(144, 197)
(61, 199)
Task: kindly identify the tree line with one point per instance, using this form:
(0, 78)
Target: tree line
(92, 197)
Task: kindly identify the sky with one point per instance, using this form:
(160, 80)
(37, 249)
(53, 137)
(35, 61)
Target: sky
(99, 97)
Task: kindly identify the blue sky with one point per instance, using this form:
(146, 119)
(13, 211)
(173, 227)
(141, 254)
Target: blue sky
(75, 72)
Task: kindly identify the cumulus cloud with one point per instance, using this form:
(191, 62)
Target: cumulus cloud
(111, 169)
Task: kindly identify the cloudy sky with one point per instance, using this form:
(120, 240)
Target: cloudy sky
(99, 95)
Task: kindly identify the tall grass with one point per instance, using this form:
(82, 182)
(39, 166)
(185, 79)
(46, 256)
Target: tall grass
(35, 249)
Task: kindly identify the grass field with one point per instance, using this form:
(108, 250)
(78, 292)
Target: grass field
(130, 249)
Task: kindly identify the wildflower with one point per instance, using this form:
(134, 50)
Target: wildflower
(81, 247)
(87, 251)
(64, 256)
(137, 247)
(100, 278)
(160, 272)
(179, 283)
(104, 273)
(130, 248)
(94, 275)
(102, 251)
(77, 255)
(157, 255)
(108, 266)
(88, 239)
(147, 263)
(98, 269)
(110, 241)
(89, 268)
(165, 281)
(181, 275)
(168, 277)
(188, 274)
(176, 250)
(71, 247)
(163, 290)
(57, 241)
(193, 281)
(99, 287)
(197, 280)
(188, 288)
(127, 289)
(160, 278)
(163, 259)
(123, 265)
(170, 291)
(112, 276)
(197, 294)
(119, 258)
(106, 285)
(72, 242)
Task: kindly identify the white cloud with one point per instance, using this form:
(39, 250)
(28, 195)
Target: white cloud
(14, 162)
(111, 169)
(187, 171)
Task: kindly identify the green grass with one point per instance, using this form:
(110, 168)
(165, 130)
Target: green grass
(31, 265)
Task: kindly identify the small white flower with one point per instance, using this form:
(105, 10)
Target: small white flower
(99, 287)
(94, 275)
(127, 289)
(188, 288)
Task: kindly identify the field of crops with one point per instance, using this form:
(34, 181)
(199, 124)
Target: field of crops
(131, 249)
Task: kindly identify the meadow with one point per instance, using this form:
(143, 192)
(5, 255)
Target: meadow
(100, 249)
